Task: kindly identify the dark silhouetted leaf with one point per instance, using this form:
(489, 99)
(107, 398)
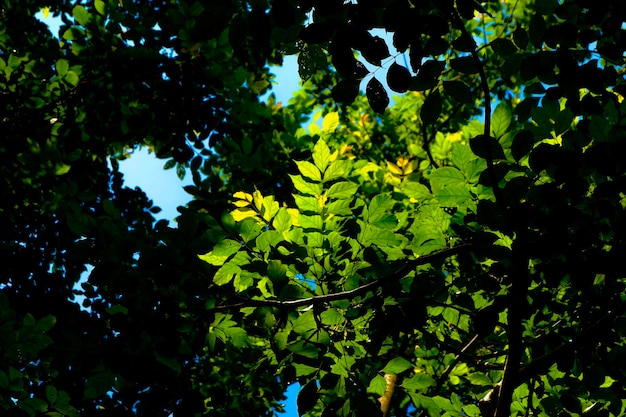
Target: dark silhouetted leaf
(317, 32)
(463, 44)
(431, 109)
(376, 96)
(416, 55)
(373, 48)
(346, 91)
(520, 37)
(523, 142)
(503, 46)
(458, 90)
(307, 398)
(310, 60)
(436, 46)
(283, 13)
(536, 30)
(465, 64)
(398, 78)
(345, 62)
(486, 147)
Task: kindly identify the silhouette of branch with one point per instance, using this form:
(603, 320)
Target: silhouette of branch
(321, 299)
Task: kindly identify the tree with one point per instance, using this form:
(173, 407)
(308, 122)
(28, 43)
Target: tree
(454, 250)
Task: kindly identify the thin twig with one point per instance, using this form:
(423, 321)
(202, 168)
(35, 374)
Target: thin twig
(487, 93)
(321, 299)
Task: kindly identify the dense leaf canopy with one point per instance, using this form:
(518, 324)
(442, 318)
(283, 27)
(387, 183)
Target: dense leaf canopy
(433, 224)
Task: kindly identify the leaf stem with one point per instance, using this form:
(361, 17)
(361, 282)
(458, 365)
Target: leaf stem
(320, 299)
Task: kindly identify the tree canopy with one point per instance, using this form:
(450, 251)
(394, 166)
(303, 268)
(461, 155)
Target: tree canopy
(433, 225)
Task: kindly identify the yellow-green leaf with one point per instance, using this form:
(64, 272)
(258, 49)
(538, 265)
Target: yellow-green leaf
(309, 170)
(61, 169)
(81, 15)
(331, 122)
(321, 155)
(221, 252)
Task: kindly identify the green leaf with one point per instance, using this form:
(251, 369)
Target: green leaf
(81, 15)
(342, 190)
(276, 271)
(62, 66)
(378, 207)
(72, 78)
(221, 252)
(480, 379)
(445, 176)
(4, 380)
(397, 365)
(303, 370)
(243, 281)
(386, 221)
(171, 363)
(46, 323)
(419, 381)
(309, 170)
(307, 204)
(100, 7)
(501, 119)
(51, 394)
(282, 221)
(311, 222)
(321, 154)
(62, 169)
(305, 323)
(226, 273)
(98, 385)
(455, 195)
(337, 169)
(117, 309)
(249, 229)
(305, 349)
(306, 187)
(416, 190)
(377, 386)
(268, 239)
(371, 235)
(339, 207)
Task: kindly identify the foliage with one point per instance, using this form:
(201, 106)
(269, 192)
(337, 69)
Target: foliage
(454, 250)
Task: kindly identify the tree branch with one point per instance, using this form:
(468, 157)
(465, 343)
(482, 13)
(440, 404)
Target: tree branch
(447, 371)
(487, 93)
(544, 362)
(320, 299)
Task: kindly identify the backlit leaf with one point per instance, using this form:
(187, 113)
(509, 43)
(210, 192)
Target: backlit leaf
(329, 124)
(321, 153)
(81, 15)
(342, 190)
(397, 365)
(309, 170)
(501, 119)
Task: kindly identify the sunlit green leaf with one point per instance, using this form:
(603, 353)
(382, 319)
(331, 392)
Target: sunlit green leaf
(309, 170)
(501, 119)
(397, 365)
(342, 190)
